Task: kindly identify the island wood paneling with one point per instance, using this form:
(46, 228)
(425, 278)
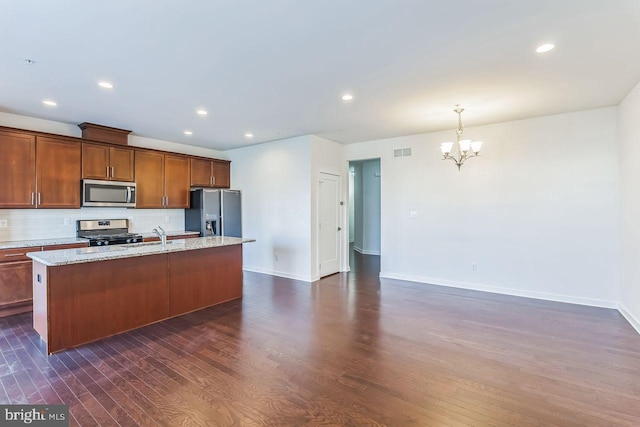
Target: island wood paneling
(94, 300)
(204, 277)
(78, 303)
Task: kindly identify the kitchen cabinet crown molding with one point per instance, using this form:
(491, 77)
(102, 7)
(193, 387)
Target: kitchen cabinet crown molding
(90, 141)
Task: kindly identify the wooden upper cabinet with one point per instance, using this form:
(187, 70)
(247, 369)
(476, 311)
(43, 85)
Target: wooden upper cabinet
(221, 174)
(162, 180)
(149, 167)
(95, 161)
(58, 172)
(210, 173)
(108, 163)
(176, 181)
(121, 160)
(17, 170)
(201, 173)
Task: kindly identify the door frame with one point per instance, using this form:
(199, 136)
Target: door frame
(345, 240)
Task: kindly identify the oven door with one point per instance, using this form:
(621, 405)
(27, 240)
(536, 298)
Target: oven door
(108, 193)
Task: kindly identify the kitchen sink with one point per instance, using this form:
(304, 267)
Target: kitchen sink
(150, 243)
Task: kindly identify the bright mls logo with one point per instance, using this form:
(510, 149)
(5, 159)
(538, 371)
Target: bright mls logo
(34, 415)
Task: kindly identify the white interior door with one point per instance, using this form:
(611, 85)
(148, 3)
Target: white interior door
(329, 224)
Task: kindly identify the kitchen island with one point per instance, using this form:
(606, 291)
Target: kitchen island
(82, 295)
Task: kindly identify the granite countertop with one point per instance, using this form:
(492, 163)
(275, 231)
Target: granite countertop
(67, 240)
(104, 253)
(41, 242)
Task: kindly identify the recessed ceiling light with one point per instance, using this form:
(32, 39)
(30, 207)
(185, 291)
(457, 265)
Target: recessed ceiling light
(202, 112)
(347, 97)
(188, 132)
(50, 103)
(248, 135)
(545, 47)
(105, 85)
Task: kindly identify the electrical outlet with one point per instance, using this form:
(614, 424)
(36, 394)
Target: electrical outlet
(413, 214)
(67, 221)
(474, 266)
(276, 256)
(4, 223)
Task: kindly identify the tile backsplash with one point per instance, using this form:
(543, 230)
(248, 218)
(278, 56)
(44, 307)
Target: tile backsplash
(29, 224)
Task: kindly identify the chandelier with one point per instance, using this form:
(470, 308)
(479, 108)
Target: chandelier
(465, 148)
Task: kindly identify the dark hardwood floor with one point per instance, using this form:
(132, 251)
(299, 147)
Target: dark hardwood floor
(348, 350)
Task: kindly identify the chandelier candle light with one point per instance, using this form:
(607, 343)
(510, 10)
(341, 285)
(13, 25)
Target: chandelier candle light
(465, 147)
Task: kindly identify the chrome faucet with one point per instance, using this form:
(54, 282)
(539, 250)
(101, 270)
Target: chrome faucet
(163, 235)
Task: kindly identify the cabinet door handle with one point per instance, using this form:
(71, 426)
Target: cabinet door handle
(8, 255)
(38, 199)
(213, 180)
(33, 196)
(112, 171)
(107, 171)
(166, 203)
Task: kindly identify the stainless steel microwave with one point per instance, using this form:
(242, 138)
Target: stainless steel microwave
(108, 193)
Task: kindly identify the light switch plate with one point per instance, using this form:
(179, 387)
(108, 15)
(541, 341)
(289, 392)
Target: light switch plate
(4, 223)
(413, 214)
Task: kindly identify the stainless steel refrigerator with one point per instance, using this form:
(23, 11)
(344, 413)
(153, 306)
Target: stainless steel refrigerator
(214, 213)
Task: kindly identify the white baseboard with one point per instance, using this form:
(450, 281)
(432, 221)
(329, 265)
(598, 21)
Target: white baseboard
(281, 274)
(365, 252)
(502, 290)
(630, 317)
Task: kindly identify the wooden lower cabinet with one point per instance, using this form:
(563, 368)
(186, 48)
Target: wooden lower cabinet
(15, 287)
(77, 303)
(16, 282)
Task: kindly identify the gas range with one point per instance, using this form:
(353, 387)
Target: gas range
(105, 232)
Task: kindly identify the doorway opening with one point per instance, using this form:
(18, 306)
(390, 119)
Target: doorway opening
(364, 213)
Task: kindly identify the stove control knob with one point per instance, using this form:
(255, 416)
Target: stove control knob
(129, 240)
(134, 240)
(98, 243)
(106, 242)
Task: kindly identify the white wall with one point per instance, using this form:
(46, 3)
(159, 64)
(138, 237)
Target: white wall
(538, 212)
(629, 133)
(275, 180)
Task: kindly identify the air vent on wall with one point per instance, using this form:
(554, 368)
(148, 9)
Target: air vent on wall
(402, 152)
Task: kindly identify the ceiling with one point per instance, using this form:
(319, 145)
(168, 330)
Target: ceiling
(278, 68)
